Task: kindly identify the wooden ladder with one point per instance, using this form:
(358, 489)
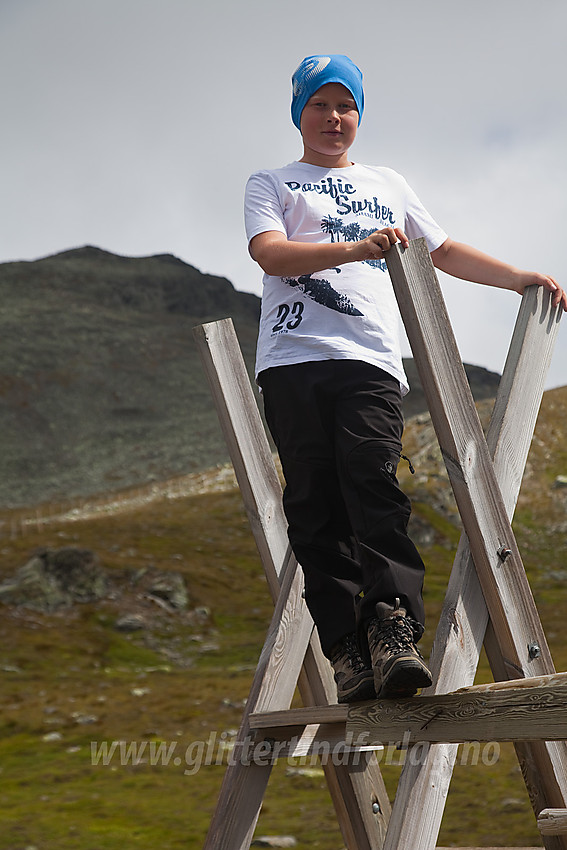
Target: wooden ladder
(488, 598)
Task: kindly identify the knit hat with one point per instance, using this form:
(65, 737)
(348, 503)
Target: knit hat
(317, 71)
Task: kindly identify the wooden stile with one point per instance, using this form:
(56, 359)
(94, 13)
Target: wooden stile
(485, 513)
(488, 598)
(464, 618)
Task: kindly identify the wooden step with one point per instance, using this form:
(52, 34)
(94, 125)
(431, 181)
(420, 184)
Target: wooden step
(518, 710)
(552, 822)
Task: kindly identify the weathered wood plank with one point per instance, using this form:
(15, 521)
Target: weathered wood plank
(552, 822)
(537, 686)
(460, 631)
(549, 680)
(280, 664)
(522, 710)
(375, 726)
(465, 451)
(521, 388)
(247, 443)
(505, 586)
(246, 777)
(524, 714)
(353, 787)
(463, 622)
(305, 716)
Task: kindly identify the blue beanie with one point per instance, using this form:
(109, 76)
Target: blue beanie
(317, 71)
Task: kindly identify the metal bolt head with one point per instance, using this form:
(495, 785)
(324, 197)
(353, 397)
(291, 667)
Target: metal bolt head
(376, 808)
(534, 651)
(504, 553)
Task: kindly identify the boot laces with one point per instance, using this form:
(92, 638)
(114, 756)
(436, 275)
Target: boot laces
(349, 647)
(396, 633)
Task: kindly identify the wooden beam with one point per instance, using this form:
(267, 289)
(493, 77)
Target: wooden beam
(300, 716)
(261, 719)
(520, 710)
(552, 822)
(291, 641)
(247, 444)
(532, 683)
(247, 776)
(534, 686)
(538, 713)
(469, 465)
(463, 622)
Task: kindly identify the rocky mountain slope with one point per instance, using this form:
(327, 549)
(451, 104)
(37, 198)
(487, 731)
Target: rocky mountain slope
(101, 386)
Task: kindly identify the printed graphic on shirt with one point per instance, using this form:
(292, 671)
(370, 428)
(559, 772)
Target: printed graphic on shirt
(351, 232)
(341, 192)
(323, 293)
(284, 311)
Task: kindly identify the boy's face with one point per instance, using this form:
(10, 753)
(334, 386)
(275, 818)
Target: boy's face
(329, 123)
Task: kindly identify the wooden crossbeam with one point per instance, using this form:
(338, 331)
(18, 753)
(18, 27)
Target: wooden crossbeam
(511, 714)
(519, 710)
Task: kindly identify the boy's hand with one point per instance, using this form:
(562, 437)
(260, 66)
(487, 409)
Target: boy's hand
(282, 257)
(548, 282)
(375, 246)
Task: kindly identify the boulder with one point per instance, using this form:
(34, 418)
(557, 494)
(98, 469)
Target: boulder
(55, 578)
(130, 623)
(170, 588)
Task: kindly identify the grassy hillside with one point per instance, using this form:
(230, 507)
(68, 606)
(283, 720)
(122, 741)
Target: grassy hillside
(71, 684)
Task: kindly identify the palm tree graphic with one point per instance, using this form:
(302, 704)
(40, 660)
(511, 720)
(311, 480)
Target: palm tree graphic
(332, 225)
(351, 231)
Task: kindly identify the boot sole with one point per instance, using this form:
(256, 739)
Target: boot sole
(403, 679)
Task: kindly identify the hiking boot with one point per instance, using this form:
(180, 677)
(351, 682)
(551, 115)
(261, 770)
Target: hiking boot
(355, 680)
(399, 669)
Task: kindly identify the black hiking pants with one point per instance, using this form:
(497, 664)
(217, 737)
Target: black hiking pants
(338, 425)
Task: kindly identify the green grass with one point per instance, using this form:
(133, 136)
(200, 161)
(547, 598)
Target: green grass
(182, 682)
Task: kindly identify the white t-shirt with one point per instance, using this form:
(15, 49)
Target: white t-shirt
(348, 312)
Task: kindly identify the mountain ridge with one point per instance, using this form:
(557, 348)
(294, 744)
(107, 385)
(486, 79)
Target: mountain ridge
(101, 386)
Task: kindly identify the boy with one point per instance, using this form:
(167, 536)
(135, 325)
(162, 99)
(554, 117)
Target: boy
(330, 369)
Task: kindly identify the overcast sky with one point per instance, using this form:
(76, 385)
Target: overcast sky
(133, 125)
